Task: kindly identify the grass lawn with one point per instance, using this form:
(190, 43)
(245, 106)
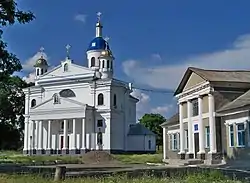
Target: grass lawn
(200, 178)
(18, 157)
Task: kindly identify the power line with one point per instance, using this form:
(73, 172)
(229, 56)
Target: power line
(133, 87)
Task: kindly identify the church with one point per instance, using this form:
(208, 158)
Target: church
(73, 109)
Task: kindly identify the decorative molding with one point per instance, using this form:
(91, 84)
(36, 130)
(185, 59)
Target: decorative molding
(193, 90)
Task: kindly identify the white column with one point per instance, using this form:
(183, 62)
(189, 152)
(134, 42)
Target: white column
(182, 135)
(40, 135)
(37, 134)
(26, 134)
(201, 127)
(212, 123)
(49, 135)
(83, 133)
(65, 134)
(74, 134)
(33, 140)
(190, 128)
(164, 143)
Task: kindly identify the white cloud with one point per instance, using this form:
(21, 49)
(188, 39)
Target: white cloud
(156, 57)
(81, 17)
(30, 78)
(168, 76)
(163, 110)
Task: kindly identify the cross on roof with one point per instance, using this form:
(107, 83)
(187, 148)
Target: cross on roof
(106, 38)
(42, 49)
(67, 49)
(99, 16)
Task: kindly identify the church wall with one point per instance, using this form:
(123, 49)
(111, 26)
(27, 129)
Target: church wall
(140, 143)
(117, 141)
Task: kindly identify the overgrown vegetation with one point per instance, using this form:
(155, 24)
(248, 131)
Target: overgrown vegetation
(11, 95)
(213, 177)
(18, 157)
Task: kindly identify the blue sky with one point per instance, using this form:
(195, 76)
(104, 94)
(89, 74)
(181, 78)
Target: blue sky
(153, 41)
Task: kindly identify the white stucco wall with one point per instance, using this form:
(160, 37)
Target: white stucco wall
(141, 143)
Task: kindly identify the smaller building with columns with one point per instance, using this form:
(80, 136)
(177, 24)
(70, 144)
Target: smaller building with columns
(74, 108)
(213, 119)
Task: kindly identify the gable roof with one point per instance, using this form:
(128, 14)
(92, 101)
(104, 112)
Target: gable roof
(241, 101)
(242, 76)
(172, 120)
(139, 129)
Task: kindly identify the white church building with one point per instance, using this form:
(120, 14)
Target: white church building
(74, 109)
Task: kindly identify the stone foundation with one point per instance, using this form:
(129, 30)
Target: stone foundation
(182, 156)
(201, 156)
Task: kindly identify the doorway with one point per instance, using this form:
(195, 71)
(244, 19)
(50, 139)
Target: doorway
(62, 141)
(196, 144)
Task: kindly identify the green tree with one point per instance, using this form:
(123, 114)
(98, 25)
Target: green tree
(11, 95)
(153, 122)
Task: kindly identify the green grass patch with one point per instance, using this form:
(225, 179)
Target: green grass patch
(212, 177)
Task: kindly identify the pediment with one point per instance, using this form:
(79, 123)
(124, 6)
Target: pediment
(63, 104)
(73, 69)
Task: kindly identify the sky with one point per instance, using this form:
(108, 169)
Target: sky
(154, 42)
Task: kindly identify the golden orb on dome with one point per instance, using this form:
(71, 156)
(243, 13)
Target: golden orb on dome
(106, 53)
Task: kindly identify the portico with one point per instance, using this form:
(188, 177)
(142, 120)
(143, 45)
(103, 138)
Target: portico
(42, 139)
(68, 131)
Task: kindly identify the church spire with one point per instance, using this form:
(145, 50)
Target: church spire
(99, 25)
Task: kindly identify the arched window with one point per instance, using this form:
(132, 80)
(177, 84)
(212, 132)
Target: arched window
(45, 70)
(114, 102)
(99, 138)
(67, 93)
(37, 72)
(103, 64)
(111, 65)
(33, 102)
(107, 63)
(100, 99)
(65, 67)
(56, 98)
(92, 62)
(41, 71)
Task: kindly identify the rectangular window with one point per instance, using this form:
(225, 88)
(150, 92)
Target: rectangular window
(241, 135)
(174, 141)
(195, 107)
(231, 135)
(186, 139)
(99, 123)
(207, 136)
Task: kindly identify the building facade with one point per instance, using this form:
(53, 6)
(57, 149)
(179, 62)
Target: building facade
(209, 124)
(73, 109)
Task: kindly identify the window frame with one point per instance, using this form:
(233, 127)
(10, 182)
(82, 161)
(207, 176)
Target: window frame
(115, 100)
(92, 62)
(100, 99)
(97, 123)
(195, 107)
(66, 67)
(207, 137)
(231, 138)
(242, 131)
(33, 103)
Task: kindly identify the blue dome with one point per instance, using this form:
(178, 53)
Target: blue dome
(98, 43)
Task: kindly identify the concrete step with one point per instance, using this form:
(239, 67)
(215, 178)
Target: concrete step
(194, 162)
